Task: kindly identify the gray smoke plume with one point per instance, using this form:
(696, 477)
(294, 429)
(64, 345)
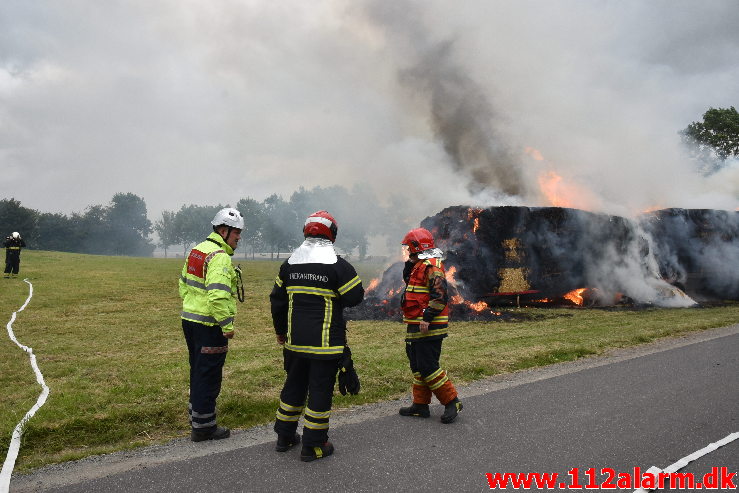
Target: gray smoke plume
(459, 111)
(461, 117)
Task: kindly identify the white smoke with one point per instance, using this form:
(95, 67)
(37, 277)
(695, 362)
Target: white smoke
(182, 102)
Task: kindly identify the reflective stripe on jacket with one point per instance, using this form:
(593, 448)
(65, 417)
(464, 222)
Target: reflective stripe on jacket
(418, 297)
(208, 284)
(307, 303)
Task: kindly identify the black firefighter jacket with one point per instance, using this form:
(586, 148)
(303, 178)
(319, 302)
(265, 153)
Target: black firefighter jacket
(307, 306)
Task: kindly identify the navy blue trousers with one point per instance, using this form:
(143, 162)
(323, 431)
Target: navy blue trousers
(207, 347)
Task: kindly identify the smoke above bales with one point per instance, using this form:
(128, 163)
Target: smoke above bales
(476, 102)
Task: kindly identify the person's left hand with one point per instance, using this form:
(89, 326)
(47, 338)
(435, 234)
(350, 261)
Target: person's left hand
(424, 326)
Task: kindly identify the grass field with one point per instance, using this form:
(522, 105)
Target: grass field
(107, 336)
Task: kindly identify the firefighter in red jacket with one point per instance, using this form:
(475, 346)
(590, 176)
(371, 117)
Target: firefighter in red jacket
(310, 292)
(426, 313)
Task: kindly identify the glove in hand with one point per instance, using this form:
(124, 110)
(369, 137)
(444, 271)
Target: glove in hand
(348, 378)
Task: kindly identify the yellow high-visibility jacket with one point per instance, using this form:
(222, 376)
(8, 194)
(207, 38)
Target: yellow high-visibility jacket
(208, 284)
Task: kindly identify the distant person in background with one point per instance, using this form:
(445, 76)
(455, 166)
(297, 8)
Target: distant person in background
(208, 287)
(13, 245)
(425, 304)
(310, 293)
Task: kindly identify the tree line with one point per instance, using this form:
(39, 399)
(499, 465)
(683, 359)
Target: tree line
(273, 225)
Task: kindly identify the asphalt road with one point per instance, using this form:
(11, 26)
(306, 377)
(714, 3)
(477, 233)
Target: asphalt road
(645, 406)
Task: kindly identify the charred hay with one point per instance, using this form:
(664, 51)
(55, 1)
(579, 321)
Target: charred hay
(538, 256)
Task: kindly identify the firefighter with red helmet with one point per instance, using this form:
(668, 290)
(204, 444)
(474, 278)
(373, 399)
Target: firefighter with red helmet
(310, 292)
(426, 313)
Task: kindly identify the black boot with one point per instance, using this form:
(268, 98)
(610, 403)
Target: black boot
(286, 442)
(308, 454)
(451, 410)
(216, 433)
(418, 410)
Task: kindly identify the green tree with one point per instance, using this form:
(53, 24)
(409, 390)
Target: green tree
(166, 229)
(192, 223)
(714, 139)
(15, 217)
(355, 211)
(94, 231)
(254, 219)
(281, 227)
(58, 232)
(129, 226)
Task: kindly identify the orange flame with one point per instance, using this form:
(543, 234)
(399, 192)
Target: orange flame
(373, 284)
(473, 213)
(534, 153)
(478, 307)
(552, 187)
(450, 275)
(561, 193)
(575, 296)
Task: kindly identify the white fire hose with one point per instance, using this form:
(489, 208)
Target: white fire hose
(15, 442)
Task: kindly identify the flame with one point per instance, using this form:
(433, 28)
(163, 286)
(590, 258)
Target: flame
(534, 153)
(575, 296)
(478, 307)
(551, 185)
(654, 208)
(450, 275)
(373, 284)
(561, 193)
(558, 191)
(474, 213)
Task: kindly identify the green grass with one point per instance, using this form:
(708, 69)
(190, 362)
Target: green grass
(107, 335)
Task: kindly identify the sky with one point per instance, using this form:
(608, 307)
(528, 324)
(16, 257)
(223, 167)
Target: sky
(480, 102)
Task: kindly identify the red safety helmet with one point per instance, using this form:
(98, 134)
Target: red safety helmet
(418, 240)
(321, 223)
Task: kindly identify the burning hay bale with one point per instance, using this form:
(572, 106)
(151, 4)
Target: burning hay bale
(540, 256)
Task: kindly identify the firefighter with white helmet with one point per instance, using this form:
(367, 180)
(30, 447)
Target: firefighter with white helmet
(310, 292)
(13, 245)
(208, 287)
(426, 313)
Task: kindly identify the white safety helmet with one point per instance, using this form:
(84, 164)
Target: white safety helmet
(229, 217)
(16, 235)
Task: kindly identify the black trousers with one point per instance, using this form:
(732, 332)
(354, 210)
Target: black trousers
(12, 264)
(423, 356)
(207, 347)
(308, 390)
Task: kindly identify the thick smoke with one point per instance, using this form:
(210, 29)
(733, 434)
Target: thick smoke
(436, 102)
(534, 92)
